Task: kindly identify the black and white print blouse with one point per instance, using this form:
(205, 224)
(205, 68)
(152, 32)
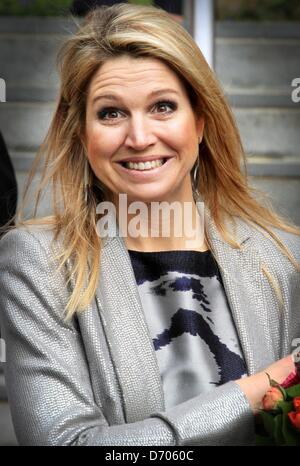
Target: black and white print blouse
(189, 321)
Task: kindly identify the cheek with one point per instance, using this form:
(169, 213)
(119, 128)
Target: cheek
(100, 144)
(184, 136)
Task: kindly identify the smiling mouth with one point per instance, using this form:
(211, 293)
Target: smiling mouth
(144, 166)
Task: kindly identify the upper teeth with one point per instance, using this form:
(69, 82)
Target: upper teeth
(144, 166)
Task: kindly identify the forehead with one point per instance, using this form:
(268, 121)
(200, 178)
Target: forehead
(125, 73)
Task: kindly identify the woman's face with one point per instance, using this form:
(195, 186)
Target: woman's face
(138, 110)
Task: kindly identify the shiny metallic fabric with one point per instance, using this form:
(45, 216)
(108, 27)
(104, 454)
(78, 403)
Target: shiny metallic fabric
(95, 380)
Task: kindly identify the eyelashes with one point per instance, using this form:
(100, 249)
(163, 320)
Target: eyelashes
(102, 114)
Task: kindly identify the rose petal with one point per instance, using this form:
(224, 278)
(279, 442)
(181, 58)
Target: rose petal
(291, 380)
(295, 419)
(296, 402)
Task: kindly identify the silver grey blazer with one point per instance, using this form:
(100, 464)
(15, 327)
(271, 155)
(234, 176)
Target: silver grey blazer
(95, 380)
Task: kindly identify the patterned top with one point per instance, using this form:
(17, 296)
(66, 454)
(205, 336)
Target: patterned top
(189, 321)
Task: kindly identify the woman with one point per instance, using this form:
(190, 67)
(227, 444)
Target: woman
(144, 340)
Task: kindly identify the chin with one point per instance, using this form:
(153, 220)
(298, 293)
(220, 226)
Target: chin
(149, 196)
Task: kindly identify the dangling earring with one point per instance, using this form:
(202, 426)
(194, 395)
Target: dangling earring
(86, 185)
(195, 178)
(195, 174)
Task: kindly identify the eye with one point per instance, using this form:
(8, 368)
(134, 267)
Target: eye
(166, 103)
(111, 113)
(106, 111)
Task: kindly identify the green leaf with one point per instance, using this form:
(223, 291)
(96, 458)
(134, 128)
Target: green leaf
(273, 383)
(285, 406)
(278, 435)
(262, 440)
(293, 391)
(268, 422)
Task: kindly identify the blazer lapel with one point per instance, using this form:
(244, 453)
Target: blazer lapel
(127, 333)
(249, 294)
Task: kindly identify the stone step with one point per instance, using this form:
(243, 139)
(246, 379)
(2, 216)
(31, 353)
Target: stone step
(263, 130)
(27, 61)
(273, 166)
(255, 49)
(25, 124)
(258, 29)
(247, 57)
(67, 25)
(283, 192)
(38, 25)
(249, 63)
(269, 130)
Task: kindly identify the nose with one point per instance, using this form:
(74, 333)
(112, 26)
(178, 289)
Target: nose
(139, 133)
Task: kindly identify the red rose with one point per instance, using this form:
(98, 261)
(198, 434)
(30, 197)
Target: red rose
(295, 419)
(271, 398)
(296, 402)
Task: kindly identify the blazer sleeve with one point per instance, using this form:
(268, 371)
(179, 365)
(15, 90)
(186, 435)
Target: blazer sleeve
(47, 375)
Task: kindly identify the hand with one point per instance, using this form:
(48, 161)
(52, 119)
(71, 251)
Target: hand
(256, 385)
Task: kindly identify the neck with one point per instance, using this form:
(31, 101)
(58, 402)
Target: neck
(173, 224)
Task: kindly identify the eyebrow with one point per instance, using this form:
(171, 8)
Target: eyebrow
(152, 94)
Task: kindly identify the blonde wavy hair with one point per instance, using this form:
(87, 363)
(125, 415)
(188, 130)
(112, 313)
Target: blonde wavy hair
(138, 31)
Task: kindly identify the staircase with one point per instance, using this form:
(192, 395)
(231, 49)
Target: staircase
(255, 63)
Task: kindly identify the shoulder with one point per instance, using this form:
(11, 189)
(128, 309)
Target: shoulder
(291, 241)
(251, 236)
(30, 281)
(264, 241)
(28, 241)
(273, 257)
(29, 251)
